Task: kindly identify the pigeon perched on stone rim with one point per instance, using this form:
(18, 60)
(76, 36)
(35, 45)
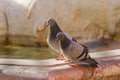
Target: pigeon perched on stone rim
(74, 51)
(51, 38)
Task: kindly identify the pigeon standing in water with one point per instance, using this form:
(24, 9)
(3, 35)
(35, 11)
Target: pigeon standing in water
(74, 51)
(51, 39)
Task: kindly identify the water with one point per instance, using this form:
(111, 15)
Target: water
(21, 52)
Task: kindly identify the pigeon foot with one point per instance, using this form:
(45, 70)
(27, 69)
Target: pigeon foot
(61, 57)
(74, 65)
(67, 60)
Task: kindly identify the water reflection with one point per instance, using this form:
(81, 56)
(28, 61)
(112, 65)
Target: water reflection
(20, 52)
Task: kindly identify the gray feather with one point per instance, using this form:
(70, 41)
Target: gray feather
(74, 51)
(91, 61)
(51, 38)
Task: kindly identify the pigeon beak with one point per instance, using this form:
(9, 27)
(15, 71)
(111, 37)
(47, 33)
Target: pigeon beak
(47, 24)
(57, 39)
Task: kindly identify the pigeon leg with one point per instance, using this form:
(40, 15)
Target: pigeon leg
(60, 57)
(73, 64)
(67, 60)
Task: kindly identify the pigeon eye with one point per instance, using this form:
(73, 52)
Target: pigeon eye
(59, 36)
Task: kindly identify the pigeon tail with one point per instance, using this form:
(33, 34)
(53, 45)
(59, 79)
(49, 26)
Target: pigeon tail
(92, 62)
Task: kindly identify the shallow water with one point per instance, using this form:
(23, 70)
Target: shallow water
(21, 52)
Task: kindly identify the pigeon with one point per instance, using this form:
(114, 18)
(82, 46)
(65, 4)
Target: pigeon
(74, 51)
(51, 38)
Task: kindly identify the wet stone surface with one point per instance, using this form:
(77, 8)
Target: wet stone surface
(51, 69)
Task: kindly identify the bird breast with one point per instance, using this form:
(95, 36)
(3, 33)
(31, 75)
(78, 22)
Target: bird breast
(53, 44)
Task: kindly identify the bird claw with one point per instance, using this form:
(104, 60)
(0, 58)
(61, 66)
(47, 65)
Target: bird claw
(61, 57)
(73, 64)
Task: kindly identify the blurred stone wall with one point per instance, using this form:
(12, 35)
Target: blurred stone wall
(86, 20)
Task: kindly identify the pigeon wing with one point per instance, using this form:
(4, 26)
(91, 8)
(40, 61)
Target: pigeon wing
(70, 37)
(75, 50)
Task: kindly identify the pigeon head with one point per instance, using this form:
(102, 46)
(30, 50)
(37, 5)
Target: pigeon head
(51, 23)
(64, 41)
(60, 36)
(54, 28)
